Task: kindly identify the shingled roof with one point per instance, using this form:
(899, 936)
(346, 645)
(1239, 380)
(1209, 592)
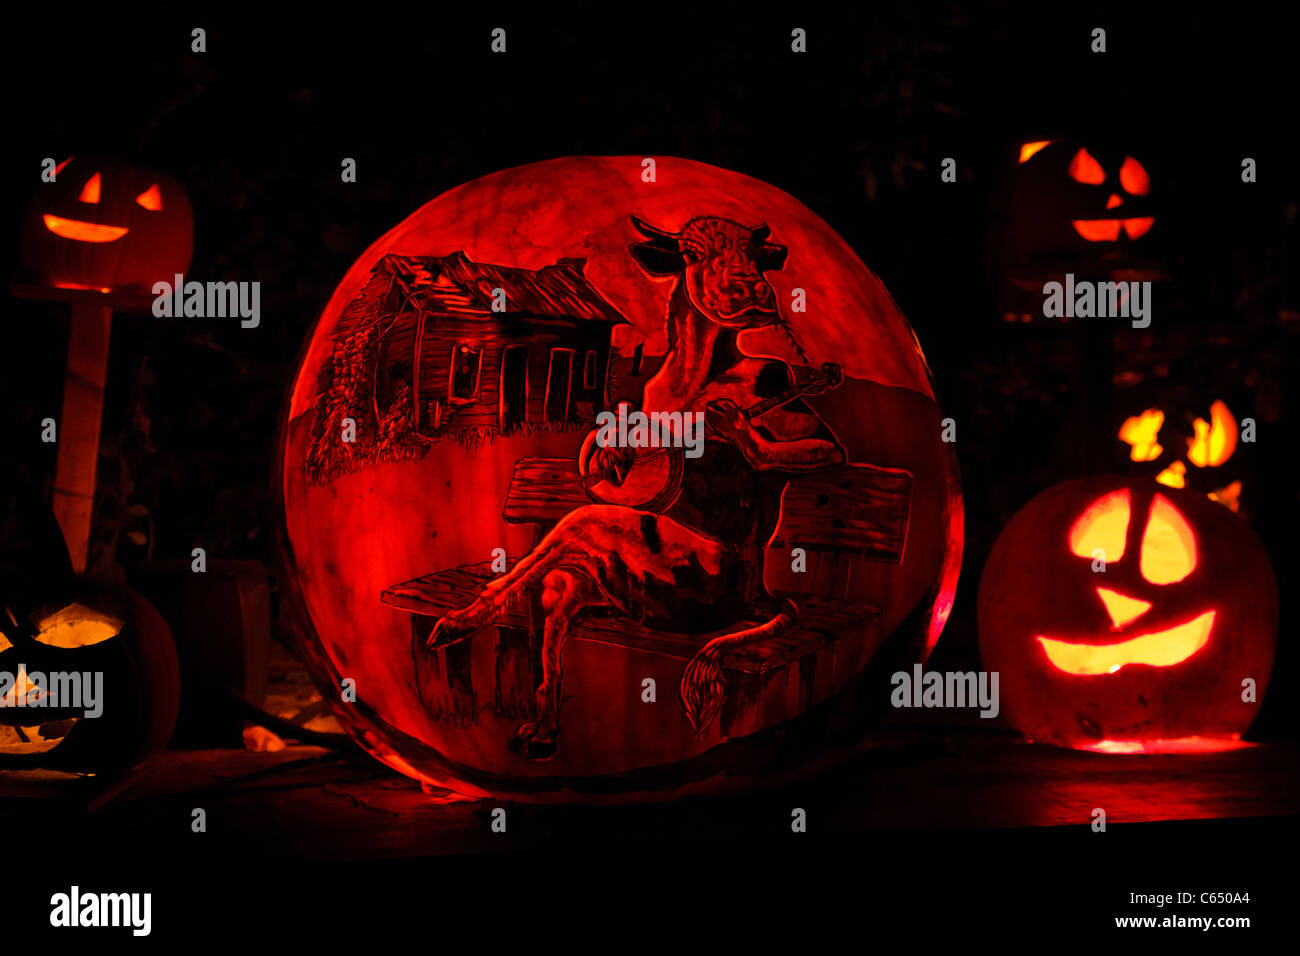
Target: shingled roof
(456, 285)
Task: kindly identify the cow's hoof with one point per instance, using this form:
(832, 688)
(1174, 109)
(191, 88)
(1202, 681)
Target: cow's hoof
(457, 625)
(532, 743)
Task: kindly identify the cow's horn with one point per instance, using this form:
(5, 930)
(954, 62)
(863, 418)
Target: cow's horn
(653, 231)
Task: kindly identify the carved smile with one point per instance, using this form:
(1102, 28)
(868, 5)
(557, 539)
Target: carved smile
(1164, 648)
(1107, 230)
(83, 231)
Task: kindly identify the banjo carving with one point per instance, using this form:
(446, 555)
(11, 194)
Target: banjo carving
(650, 478)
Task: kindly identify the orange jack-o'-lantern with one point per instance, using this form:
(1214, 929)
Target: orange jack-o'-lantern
(1194, 449)
(1122, 615)
(1070, 205)
(107, 224)
(88, 672)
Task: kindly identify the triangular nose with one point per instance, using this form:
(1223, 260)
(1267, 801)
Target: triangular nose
(1122, 608)
(1114, 201)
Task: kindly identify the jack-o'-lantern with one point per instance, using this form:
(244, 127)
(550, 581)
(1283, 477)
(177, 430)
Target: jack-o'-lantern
(88, 672)
(1123, 615)
(107, 224)
(1192, 449)
(490, 611)
(89, 686)
(1071, 205)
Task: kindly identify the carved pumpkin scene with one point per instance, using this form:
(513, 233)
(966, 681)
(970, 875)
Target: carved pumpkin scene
(503, 467)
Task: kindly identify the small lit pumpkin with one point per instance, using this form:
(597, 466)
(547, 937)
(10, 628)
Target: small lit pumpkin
(1070, 205)
(107, 224)
(112, 633)
(1123, 615)
(54, 623)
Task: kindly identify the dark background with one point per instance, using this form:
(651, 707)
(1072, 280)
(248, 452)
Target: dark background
(255, 130)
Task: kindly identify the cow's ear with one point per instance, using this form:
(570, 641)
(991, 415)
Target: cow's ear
(656, 260)
(771, 257)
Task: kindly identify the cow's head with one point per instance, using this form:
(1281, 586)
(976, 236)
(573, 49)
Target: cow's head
(721, 264)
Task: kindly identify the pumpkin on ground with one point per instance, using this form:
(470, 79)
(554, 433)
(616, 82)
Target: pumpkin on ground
(1125, 615)
(65, 640)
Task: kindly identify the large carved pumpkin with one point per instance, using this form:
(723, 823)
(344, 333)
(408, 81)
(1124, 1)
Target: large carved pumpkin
(431, 441)
(107, 224)
(1125, 615)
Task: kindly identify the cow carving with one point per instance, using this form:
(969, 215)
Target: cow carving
(698, 566)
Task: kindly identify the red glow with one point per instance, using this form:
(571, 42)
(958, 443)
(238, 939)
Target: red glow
(1172, 745)
(151, 198)
(59, 168)
(1107, 230)
(1137, 228)
(1097, 230)
(78, 285)
(1028, 150)
(1085, 169)
(90, 191)
(1134, 178)
(83, 231)
(1159, 649)
(1114, 201)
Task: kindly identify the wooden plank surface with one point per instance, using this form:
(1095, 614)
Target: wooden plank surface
(859, 510)
(903, 778)
(543, 490)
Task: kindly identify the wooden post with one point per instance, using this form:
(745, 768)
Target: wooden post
(79, 424)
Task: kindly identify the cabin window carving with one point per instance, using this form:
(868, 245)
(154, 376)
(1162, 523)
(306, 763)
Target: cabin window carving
(466, 372)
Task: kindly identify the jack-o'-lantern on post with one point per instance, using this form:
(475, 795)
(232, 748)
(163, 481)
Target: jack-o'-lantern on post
(107, 225)
(1128, 616)
(521, 610)
(97, 237)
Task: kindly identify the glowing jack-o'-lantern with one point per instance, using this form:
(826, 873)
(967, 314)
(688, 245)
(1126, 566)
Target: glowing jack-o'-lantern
(88, 686)
(107, 224)
(1125, 184)
(88, 673)
(1069, 205)
(1123, 615)
(1206, 443)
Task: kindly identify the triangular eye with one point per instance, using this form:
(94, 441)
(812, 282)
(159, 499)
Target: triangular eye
(1102, 527)
(1134, 178)
(1027, 150)
(151, 198)
(1085, 169)
(90, 191)
(59, 168)
(1168, 544)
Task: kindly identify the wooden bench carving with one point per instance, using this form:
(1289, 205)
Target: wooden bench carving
(840, 516)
